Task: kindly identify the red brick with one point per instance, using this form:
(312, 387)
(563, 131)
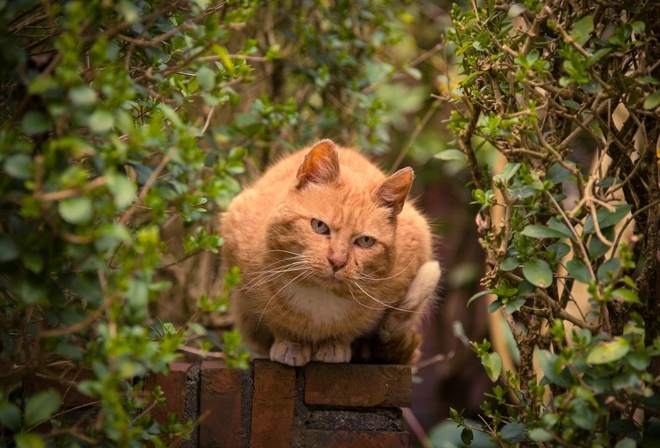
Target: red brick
(174, 388)
(358, 385)
(272, 405)
(220, 406)
(316, 438)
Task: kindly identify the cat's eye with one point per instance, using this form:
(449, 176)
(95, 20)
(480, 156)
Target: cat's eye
(320, 227)
(365, 241)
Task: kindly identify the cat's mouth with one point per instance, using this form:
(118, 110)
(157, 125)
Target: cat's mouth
(331, 281)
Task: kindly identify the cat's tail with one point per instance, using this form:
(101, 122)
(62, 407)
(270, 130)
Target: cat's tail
(422, 287)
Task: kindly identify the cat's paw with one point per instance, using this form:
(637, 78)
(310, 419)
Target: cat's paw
(291, 353)
(335, 352)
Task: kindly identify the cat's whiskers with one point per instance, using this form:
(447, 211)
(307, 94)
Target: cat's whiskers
(371, 278)
(355, 299)
(385, 305)
(303, 274)
(270, 275)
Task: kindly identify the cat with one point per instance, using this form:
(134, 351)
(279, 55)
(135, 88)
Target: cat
(335, 264)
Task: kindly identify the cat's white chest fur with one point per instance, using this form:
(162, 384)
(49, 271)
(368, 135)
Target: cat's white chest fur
(321, 305)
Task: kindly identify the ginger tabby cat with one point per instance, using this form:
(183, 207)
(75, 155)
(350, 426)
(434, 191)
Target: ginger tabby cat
(335, 264)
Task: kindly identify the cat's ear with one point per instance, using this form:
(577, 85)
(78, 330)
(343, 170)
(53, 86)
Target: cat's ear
(393, 192)
(321, 165)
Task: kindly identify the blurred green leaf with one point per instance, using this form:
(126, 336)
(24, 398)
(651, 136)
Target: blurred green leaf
(122, 188)
(30, 440)
(9, 250)
(10, 416)
(652, 101)
(76, 210)
(101, 121)
(41, 406)
(609, 351)
(35, 122)
(19, 166)
(582, 30)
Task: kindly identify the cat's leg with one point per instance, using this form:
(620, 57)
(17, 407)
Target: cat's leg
(398, 338)
(291, 353)
(335, 352)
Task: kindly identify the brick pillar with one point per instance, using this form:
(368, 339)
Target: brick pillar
(181, 390)
(276, 406)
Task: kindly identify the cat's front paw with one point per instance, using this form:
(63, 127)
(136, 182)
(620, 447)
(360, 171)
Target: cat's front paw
(333, 352)
(291, 353)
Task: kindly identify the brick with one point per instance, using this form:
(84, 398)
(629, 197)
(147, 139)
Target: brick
(273, 404)
(174, 388)
(316, 438)
(220, 406)
(358, 385)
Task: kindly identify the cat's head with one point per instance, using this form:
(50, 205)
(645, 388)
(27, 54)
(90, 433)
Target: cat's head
(338, 222)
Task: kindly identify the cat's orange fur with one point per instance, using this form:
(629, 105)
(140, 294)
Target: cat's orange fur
(314, 289)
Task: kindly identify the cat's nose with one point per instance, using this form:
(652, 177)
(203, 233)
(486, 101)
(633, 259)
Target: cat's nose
(337, 261)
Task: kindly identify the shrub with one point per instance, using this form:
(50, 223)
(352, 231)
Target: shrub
(119, 118)
(564, 97)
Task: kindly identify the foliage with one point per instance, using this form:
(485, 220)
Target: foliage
(119, 118)
(563, 97)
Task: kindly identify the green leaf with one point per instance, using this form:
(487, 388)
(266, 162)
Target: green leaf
(596, 247)
(626, 443)
(492, 364)
(583, 415)
(41, 406)
(534, 231)
(560, 249)
(35, 123)
(10, 416)
(559, 226)
(513, 431)
(540, 435)
(206, 78)
(83, 96)
(19, 166)
(552, 369)
(122, 188)
(509, 170)
(450, 154)
(625, 295)
(606, 218)
(514, 305)
(101, 121)
(32, 292)
(609, 351)
(29, 440)
(537, 272)
(76, 210)
(557, 173)
(509, 264)
(608, 269)
(652, 101)
(579, 271)
(477, 295)
(582, 30)
(9, 250)
(170, 114)
(467, 436)
(137, 293)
